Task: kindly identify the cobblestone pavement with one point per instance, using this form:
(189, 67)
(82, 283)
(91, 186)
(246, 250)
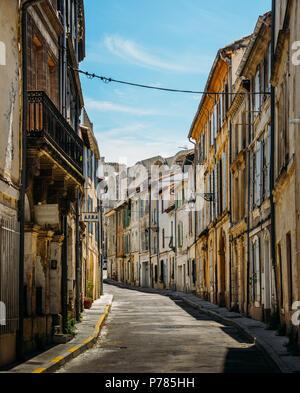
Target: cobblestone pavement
(151, 333)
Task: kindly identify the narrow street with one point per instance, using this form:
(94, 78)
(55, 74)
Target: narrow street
(150, 333)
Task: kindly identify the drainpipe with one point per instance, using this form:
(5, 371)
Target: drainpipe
(230, 215)
(77, 244)
(249, 201)
(100, 243)
(195, 212)
(157, 233)
(149, 233)
(78, 260)
(228, 60)
(64, 274)
(20, 348)
(272, 158)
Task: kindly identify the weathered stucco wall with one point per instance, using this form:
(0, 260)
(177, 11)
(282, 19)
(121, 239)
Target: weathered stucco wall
(9, 82)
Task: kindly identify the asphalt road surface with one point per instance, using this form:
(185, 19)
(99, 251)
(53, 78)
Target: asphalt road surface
(150, 333)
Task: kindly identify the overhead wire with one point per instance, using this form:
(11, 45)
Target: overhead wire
(109, 80)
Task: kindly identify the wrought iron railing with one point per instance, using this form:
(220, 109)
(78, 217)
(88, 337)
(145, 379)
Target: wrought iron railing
(45, 120)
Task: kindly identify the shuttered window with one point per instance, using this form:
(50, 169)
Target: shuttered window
(252, 271)
(257, 271)
(215, 122)
(224, 181)
(256, 90)
(258, 179)
(216, 191)
(268, 161)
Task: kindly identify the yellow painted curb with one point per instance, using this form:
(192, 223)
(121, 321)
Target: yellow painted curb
(86, 341)
(57, 359)
(73, 349)
(38, 371)
(101, 320)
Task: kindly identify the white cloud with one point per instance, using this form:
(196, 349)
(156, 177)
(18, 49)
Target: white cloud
(131, 52)
(106, 106)
(122, 131)
(135, 149)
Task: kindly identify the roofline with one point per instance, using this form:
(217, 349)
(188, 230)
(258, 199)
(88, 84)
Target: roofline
(212, 71)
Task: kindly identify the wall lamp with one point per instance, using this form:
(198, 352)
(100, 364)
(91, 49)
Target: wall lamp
(209, 197)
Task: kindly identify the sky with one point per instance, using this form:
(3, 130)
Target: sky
(163, 43)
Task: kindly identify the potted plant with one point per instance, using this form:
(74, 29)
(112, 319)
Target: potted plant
(88, 301)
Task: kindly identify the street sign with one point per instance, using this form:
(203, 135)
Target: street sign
(90, 217)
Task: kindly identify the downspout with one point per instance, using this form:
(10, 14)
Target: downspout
(149, 233)
(78, 300)
(100, 244)
(272, 158)
(249, 202)
(157, 232)
(195, 212)
(64, 274)
(78, 265)
(228, 60)
(20, 348)
(230, 214)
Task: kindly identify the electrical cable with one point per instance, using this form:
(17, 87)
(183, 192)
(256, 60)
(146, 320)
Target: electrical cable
(109, 80)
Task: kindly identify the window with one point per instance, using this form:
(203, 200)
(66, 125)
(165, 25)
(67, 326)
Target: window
(90, 210)
(244, 130)
(255, 271)
(163, 238)
(258, 173)
(190, 223)
(155, 244)
(155, 273)
(224, 177)
(256, 97)
(89, 164)
(194, 271)
(162, 273)
(95, 171)
(253, 176)
(180, 234)
(280, 273)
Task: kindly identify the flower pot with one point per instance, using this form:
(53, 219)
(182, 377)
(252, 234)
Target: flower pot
(88, 303)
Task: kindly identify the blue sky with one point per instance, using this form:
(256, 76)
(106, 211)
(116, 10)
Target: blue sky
(166, 43)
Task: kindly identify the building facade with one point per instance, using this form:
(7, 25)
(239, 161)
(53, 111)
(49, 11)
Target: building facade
(10, 164)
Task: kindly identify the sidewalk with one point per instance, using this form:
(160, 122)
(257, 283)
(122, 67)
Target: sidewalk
(272, 345)
(87, 333)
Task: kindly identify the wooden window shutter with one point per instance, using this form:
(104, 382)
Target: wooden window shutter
(224, 181)
(257, 272)
(258, 175)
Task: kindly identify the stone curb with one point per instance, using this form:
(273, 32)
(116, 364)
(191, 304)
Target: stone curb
(85, 345)
(268, 351)
(72, 353)
(261, 344)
